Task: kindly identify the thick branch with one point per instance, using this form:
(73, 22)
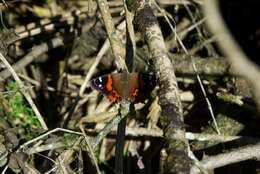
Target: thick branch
(177, 160)
(242, 154)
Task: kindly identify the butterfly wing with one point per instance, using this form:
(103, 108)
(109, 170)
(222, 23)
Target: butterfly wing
(105, 85)
(146, 84)
(134, 86)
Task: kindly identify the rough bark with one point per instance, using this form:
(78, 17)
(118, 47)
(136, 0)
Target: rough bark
(176, 159)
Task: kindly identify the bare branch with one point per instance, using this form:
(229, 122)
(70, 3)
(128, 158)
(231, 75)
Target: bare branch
(169, 98)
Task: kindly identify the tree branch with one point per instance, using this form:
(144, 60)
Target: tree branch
(177, 160)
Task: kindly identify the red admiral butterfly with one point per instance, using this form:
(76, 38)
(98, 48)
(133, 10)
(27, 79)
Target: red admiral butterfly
(117, 87)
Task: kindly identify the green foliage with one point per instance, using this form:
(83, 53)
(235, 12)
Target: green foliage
(19, 114)
(69, 139)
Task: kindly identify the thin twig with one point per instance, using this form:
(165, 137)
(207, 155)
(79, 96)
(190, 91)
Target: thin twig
(100, 55)
(93, 67)
(107, 129)
(196, 72)
(92, 153)
(51, 146)
(33, 29)
(115, 42)
(31, 56)
(119, 52)
(46, 134)
(24, 92)
(5, 169)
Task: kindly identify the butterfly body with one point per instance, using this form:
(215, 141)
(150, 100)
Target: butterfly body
(124, 86)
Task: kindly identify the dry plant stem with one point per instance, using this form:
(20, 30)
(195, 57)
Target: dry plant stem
(193, 20)
(174, 2)
(200, 35)
(5, 169)
(202, 137)
(147, 132)
(80, 163)
(24, 92)
(48, 158)
(196, 163)
(206, 97)
(227, 125)
(120, 120)
(34, 82)
(130, 44)
(52, 170)
(183, 33)
(134, 153)
(169, 99)
(92, 69)
(162, 2)
(193, 63)
(196, 72)
(214, 66)
(154, 114)
(206, 67)
(97, 118)
(48, 25)
(46, 147)
(202, 45)
(214, 137)
(130, 132)
(231, 49)
(117, 46)
(23, 146)
(201, 86)
(119, 52)
(100, 54)
(92, 154)
(34, 54)
(106, 130)
(67, 157)
(241, 154)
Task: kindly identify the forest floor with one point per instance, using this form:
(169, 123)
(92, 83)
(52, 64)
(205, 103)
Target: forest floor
(169, 86)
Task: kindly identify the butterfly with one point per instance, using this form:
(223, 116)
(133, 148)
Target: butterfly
(117, 87)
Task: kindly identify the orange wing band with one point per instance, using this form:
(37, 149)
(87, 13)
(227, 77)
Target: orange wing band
(109, 85)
